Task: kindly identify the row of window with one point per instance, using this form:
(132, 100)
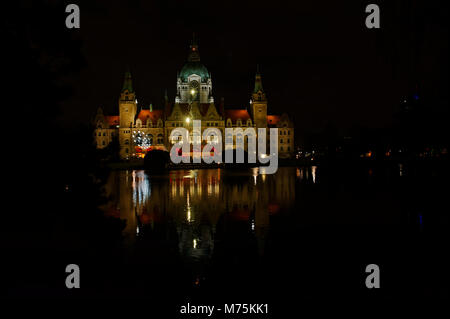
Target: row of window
(285, 132)
(288, 141)
(184, 87)
(238, 123)
(105, 134)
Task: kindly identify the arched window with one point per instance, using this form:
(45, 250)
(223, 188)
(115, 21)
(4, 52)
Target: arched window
(229, 122)
(150, 138)
(127, 142)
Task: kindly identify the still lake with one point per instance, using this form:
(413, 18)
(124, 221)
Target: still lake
(216, 234)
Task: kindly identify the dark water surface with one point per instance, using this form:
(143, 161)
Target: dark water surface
(216, 236)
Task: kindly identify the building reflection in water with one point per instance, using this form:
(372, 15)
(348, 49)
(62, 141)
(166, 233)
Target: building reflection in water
(193, 202)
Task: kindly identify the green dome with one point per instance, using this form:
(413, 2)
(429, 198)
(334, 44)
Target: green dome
(194, 67)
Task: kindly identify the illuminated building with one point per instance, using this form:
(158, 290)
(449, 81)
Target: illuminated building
(140, 129)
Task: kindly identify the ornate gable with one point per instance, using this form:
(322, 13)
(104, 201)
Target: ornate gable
(177, 113)
(212, 114)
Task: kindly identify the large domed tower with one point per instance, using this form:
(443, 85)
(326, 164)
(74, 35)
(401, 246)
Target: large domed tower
(194, 81)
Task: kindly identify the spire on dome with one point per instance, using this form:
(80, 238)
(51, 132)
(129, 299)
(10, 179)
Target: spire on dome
(194, 56)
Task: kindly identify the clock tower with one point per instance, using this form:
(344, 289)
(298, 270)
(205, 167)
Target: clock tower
(127, 114)
(258, 103)
(127, 103)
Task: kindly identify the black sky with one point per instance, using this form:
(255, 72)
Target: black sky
(318, 60)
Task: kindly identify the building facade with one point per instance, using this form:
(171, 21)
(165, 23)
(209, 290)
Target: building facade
(138, 129)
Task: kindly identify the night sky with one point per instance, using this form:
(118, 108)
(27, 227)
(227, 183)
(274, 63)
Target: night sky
(319, 62)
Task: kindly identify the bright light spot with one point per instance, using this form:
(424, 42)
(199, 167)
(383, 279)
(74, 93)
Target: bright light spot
(141, 188)
(194, 243)
(313, 171)
(192, 91)
(188, 208)
(188, 120)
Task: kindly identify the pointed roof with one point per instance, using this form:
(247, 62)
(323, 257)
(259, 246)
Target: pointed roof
(127, 82)
(258, 81)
